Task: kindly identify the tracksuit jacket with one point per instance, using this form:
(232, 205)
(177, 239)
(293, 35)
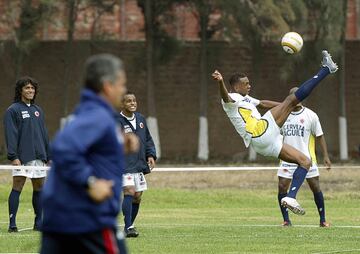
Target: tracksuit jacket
(137, 162)
(25, 133)
(89, 145)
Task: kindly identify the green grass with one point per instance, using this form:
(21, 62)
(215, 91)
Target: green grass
(216, 221)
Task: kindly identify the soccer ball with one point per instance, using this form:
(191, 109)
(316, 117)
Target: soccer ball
(292, 42)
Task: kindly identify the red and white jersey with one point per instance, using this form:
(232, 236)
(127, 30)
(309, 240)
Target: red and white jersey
(243, 114)
(300, 130)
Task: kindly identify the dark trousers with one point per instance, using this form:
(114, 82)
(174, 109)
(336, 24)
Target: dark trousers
(100, 242)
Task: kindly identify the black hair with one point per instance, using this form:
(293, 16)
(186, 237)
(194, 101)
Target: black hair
(235, 78)
(100, 68)
(129, 92)
(20, 83)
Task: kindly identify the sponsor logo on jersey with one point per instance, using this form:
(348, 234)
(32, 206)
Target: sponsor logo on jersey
(25, 114)
(297, 130)
(246, 99)
(127, 129)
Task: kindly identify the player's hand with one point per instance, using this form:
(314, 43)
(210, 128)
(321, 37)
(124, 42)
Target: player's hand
(100, 190)
(327, 162)
(151, 162)
(16, 162)
(131, 143)
(217, 76)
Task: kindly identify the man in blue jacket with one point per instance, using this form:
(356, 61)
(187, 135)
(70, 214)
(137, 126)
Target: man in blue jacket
(81, 196)
(27, 144)
(137, 164)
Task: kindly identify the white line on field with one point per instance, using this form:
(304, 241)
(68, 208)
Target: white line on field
(336, 251)
(189, 169)
(223, 225)
(240, 225)
(25, 229)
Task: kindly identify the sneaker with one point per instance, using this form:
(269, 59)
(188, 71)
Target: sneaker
(328, 62)
(324, 224)
(13, 229)
(131, 232)
(292, 205)
(286, 224)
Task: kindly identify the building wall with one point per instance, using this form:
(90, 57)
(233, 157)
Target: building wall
(126, 22)
(177, 91)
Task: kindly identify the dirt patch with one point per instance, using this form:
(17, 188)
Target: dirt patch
(335, 179)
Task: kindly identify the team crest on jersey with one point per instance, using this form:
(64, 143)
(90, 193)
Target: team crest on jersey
(302, 120)
(141, 125)
(37, 114)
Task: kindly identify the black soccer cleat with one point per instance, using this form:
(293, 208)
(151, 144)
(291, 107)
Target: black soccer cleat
(131, 232)
(13, 229)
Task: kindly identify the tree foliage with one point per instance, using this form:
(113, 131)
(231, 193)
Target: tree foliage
(166, 45)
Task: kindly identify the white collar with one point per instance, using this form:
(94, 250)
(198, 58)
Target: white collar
(128, 118)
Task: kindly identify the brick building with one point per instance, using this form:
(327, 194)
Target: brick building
(176, 98)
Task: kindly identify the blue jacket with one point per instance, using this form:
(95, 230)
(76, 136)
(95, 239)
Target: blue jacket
(89, 145)
(25, 133)
(137, 162)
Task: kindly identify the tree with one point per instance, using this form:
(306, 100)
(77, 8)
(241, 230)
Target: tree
(73, 8)
(32, 15)
(202, 11)
(155, 35)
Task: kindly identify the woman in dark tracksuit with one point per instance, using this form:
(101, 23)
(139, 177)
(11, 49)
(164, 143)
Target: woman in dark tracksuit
(137, 164)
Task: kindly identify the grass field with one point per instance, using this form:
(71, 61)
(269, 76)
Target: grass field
(222, 212)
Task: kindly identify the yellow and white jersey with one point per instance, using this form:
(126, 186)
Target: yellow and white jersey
(243, 114)
(299, 131)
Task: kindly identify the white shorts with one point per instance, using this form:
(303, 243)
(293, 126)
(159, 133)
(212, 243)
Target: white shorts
(287, 171)
(135, 179)
(270, 142)
(31, 173)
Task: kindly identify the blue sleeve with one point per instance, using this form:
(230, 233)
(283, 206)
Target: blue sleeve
(71, 147)
(11, 134)
(47, 142)
(46, 136)
(150, 146)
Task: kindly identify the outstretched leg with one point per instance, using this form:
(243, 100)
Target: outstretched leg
(282, 111)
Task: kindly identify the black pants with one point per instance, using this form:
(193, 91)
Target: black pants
(100, 242)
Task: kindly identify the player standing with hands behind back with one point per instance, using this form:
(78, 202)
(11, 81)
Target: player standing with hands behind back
(137, 164)
(27, 144)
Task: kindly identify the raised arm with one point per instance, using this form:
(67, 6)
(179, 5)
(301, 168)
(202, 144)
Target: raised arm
(268, 104)
(322, 142)
(222, 88)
